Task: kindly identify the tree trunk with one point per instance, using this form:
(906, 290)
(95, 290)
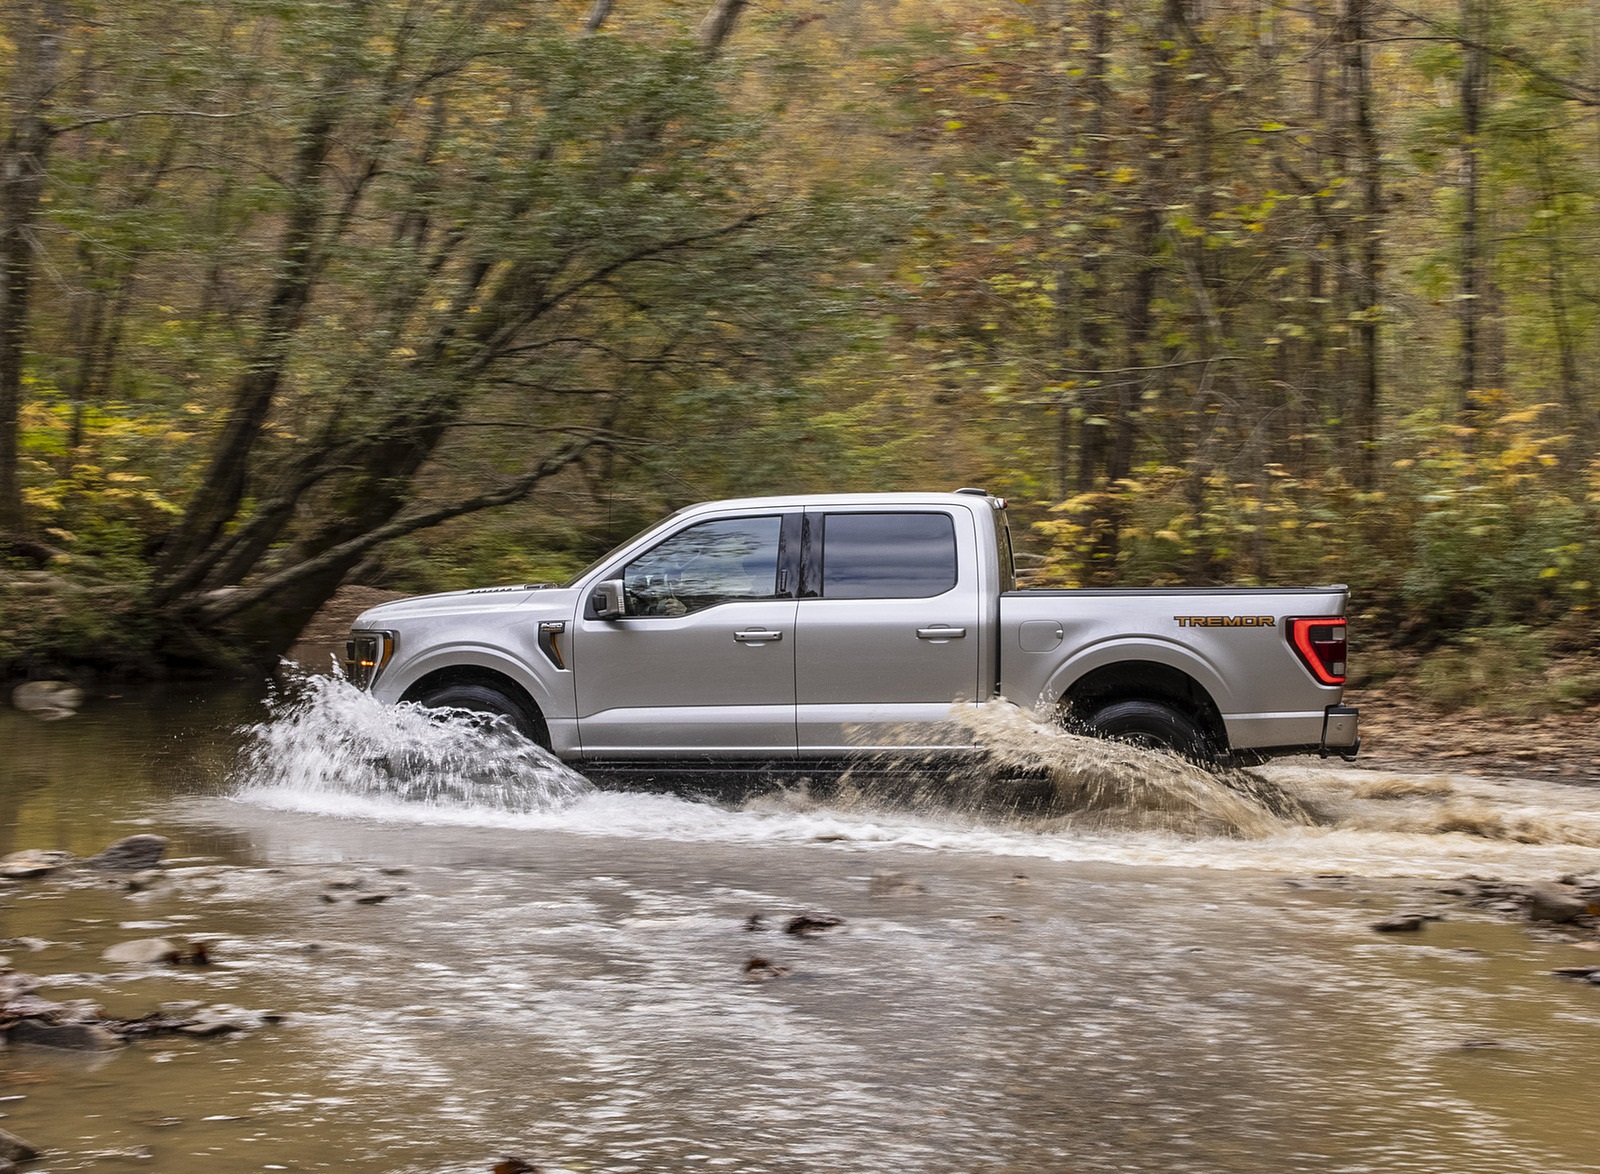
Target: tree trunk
(1355, 33)
(1470, 303)
(36, 29)
(1094, 437)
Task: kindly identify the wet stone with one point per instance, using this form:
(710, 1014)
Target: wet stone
(763, 970)
(32, 862)
(47, 701)
(1586, 973)
(354, 891)
(76, 1037)
(14, 1149)
(130, 854)
(14, 985)
(142, 952)
(810, 924)
(213, 1022)
(1402, 923)
(1555, 903)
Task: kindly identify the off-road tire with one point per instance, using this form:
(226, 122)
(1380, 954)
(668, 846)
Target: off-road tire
(490, 702)
(1154, 726)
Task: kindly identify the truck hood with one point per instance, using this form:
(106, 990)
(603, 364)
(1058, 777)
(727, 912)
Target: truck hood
(474, 600)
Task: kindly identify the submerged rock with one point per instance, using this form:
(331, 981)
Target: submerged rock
(763, 970)
(47, 701)
(130, 854)
(894, 884)
(354, 890)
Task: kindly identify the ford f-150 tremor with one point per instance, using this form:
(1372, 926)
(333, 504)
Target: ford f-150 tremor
(816, 627)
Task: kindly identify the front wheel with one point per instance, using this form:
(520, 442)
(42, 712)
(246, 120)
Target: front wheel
(492, 703)
(1154, 726)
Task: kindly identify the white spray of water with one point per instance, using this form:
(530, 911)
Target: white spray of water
(334, 743)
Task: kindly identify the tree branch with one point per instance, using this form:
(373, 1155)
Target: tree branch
(213, 607)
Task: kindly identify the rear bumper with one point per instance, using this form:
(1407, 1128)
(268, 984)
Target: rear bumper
(1341, 731)
(1333, 731)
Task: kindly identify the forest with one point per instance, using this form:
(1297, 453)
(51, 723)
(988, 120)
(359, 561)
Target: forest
(424, 294)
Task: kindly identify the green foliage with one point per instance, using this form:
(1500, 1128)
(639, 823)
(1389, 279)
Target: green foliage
(1506, 670)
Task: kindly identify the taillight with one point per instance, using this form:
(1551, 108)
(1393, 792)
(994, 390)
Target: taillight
(1319, 641)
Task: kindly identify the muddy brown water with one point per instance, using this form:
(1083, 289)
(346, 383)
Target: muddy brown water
(1145, 977)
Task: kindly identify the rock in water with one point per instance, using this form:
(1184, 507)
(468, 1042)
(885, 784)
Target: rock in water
(809, 924)
(130, 854)
(1554, 902)
(76, 1037)
(32, 862)
(14, 1149)
(144, 951)
(48, 701)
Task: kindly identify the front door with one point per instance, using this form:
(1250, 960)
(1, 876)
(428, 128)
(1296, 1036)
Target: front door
(703, 658)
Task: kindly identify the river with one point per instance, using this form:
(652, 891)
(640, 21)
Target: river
(1115, 966)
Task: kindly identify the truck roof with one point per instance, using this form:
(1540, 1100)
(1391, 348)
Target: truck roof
(823, 500)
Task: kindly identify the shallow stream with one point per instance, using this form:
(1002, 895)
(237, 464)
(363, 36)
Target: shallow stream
(1113, 965)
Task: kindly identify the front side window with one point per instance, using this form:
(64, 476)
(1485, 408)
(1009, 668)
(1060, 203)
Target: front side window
(714, 562)
(888, 556)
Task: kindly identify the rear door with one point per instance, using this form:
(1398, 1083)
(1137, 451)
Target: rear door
(889, 628)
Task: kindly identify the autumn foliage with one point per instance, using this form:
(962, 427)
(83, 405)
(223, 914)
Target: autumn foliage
(428, 294)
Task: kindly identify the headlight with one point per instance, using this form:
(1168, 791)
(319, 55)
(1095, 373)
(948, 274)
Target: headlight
(365, 655)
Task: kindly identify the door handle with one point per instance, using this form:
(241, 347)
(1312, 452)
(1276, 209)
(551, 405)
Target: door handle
(757, 636)
(941, 633)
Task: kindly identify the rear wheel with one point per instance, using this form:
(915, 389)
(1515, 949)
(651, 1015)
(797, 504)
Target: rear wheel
(492, 703)
(1154, 726)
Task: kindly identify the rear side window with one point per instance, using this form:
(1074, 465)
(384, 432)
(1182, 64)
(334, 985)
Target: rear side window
(888, 556)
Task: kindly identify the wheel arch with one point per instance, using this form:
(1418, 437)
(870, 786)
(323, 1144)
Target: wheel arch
(473, 674)
(1144, 680)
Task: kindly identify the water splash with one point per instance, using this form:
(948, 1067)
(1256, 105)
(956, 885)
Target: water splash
(1072, 780)
(1032, 773)
(331, 744)
(1036, 791)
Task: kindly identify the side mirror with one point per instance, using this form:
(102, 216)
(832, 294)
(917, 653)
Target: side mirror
(606, 601)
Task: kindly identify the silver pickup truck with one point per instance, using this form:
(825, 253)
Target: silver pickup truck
(819, 627)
